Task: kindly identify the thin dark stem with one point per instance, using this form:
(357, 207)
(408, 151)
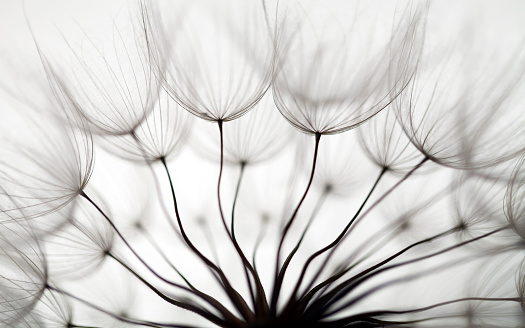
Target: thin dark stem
(128, 245)
(279, 280)
(159, 250)
(157, 185)
(193, 308)
(375, 238)
(241, 174)
(355, 221)
(234, 296)
(350, 284)
(206, 297)
(380, 234)
(322, 286)
(400, 280)
(388, 192)
(261, 306)
(343, 268)
(333, 244)
(115, 316)
(429, 307)
(316, 210)
(232, 228)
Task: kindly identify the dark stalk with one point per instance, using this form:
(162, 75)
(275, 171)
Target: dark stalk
(232, 228)
(403, 279)
(115, 316)
(234, 296)
(193, 308)
(128, 245)
(346, 267)
(356, 219)
(205, 297)
(350, 284)
(322, 286)
(425, 308)
(278, 280)
(159, 250)
(241, 174)
(157, 185)
(380, 234)
(316, 210)
(261, 306)
(331, 245)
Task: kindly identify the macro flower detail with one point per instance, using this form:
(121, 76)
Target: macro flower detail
(216, 59)
(112, 89)
(460, 109)
(262, 164)
(326, 83)
(23, 275)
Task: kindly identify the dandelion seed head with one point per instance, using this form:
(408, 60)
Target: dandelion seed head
(218, 58)
(413, 219)
(53, 166)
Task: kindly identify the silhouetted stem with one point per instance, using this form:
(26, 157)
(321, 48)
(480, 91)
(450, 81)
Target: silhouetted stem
(241, 174)
(128, 245)
(234, 296)
(261, 306)
(403, 279)
(202, 295)
(426, 308)
(333, 278)
(350, 284)
(331, 245)
(345, 268)
(157, 186)
(232, 228)
(381, 233)
(316, 210)
(159, 250)
(354, 222)
(115, 316)
(229, 317)
(277, 279)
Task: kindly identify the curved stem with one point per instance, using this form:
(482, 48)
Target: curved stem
(346, 267)
(241, 174)
(261, 306)
(232, 229)
(357, 219)
(277, 279)
(206, 297)
(128, 245)
(194, 308)
(157, 186)
(333, 244)
(115, 316)
(432, 270)
(159, 250)
(350, 284)
(234, 296)
(426, 308)
(286, 263)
